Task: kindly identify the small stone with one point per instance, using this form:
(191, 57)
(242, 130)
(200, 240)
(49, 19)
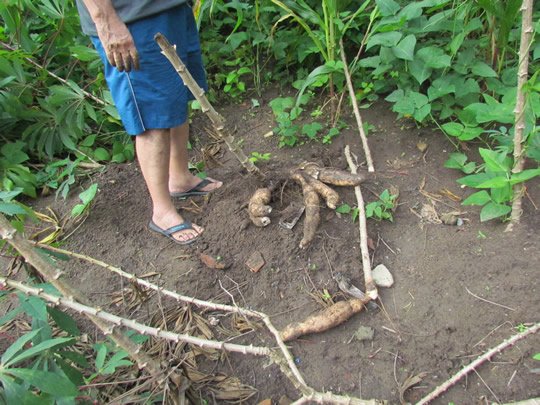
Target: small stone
(382, 276)
(364, 333)
(255, 262)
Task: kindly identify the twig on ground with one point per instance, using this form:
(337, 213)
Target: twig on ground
(352, 96)
(472, 366)
(523, 71)
(129, 323)
(488, 301)
(371, 289)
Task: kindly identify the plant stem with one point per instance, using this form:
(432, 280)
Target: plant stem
(519, 158)
(352, 96)
(217, 120)
(371, 289)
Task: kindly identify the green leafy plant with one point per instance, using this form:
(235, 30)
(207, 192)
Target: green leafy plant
(259, 157)
(383, 207)
(495, 179)
(86, 197)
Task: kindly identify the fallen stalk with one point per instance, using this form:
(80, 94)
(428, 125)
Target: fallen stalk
(129, 323)
(52, 275)
(169, 51)
(481, 359)
(354, 103)
(190, 300)
(371, 289)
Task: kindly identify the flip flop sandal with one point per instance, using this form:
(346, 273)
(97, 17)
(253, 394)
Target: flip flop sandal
(174, 229)
(195, 191)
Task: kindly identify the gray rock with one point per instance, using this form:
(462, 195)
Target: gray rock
(382, 276)
(364, 333)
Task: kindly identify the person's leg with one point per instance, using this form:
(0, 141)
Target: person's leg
(153, 151)
(180, 178)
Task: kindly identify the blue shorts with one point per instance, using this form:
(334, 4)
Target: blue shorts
(155, 96)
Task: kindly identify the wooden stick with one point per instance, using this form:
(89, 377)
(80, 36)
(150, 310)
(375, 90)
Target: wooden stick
(190, 300)
(359, 122)
(129, 323)
(519, 111)
(486, 356)
(217, 120)
(53, 275)
(371, 288)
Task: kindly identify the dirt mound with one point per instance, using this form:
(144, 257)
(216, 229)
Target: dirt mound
(439, 315)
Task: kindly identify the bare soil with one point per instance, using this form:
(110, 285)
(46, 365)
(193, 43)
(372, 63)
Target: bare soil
(440, 314)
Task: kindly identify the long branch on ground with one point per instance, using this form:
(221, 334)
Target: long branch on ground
(476, 363)
(519, 158)
(53, 275)
(107, 322)
(371, 289)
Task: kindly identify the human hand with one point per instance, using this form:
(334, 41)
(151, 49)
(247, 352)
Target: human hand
(118, 44)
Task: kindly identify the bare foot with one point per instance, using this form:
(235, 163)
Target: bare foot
(170, 220)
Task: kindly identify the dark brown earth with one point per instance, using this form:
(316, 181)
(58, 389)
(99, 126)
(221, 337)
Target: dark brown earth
(432, 322)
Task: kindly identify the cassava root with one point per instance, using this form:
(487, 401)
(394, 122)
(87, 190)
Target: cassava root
(311, 202)
(325, 320)
(258, 207)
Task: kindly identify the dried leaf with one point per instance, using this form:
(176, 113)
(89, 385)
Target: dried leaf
(422, 146)
(409, 383)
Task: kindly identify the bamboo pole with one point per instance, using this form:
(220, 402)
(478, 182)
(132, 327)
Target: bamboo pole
(371, 288)
(476, 363)
(217, 120)
(519, 111)
(359, 122)
(53, 275)
(129, 323)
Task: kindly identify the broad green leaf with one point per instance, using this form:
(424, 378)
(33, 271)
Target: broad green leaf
(101, 154)
(395, 96)
(470, 133)
(482, 69)
(387, 7)
(434, 57)
(411, 11)
(456, 161)
(11, 208)
(88, 195)
(18, 345)
(51, 383)
(495, 182)
(344, 209)
(421, 113)
(440, 87)
(495, 161)
(492, 211)
(453, 128)
(473, 180)
(524, 176)
(479, 198)
(38, 349)
(405, 48)
(388, 39)
(311, 130)
(10, 315)
(419, 70)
